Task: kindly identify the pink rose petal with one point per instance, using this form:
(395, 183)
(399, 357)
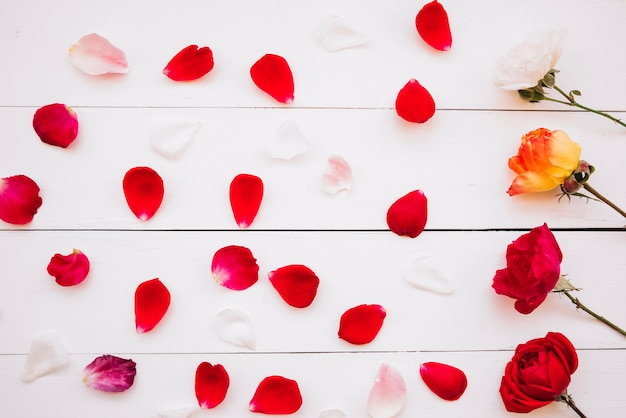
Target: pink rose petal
(56, 124)
(95, 55)
(361, 324)
(69, 270)
(388, 395)
(444, 380)
(109, 373)
(407, 215)
(338, 176)
(234, 267)
(19, 199)
(212, 383)
(276, 395)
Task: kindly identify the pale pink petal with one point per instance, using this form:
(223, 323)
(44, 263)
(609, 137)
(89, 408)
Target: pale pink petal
(47, 354)
(338, 176)
(95, 55)
(287, 142)
(425, 272)
(234, 326)
(388, 394)
(336, 33)
(170, 138)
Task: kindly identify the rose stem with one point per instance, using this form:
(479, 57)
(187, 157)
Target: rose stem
(604, 199)
(570, 402)
(579, 305)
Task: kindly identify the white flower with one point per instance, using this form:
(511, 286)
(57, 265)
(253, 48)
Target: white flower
(526, 64)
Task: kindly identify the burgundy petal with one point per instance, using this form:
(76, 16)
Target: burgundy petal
(19, 199)
(109, 373)
(246, 193)
(56, 124)
(444, 380)
(276, 395)
(235, 267)
(69, 270)
(407, 215)
(414, 103)
(271, 73)
(190, 63)
(212, 383)
(433, 26)
(296, 284)
(152, 299)
(360, 325)
(143, 189)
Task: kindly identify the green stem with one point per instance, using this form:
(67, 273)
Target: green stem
(604, 199)
(570, 402)
(579, 305)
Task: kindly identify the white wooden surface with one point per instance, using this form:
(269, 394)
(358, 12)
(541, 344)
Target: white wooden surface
(343, 105)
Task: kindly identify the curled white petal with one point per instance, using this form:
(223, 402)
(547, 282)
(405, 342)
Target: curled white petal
(47, 354)
(95, 55)
(424, 272)
(338, 176)
(388, 394)
(336, 33)
(287, 142)
(170, 138)
(333, 413)
(234, 326)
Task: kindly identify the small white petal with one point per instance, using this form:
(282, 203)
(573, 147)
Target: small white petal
(336, 33)
(388, 393)
(95, 55)
(47, 354)
(235, 327)
(424, 272)
(190, 412)
(170, 138)
(287, 142)
(333, 413)
(338, 176)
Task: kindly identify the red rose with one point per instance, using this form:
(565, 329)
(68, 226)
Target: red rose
(533, 267)
(538, 373)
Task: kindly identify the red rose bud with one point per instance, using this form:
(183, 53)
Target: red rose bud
(579, 177)
(56, 124)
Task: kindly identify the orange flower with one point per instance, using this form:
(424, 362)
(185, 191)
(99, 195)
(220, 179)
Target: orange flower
(544, 160)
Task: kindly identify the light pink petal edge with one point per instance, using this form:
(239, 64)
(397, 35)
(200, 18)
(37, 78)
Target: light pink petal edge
(95, 55)
(388, 394)
(338, 176)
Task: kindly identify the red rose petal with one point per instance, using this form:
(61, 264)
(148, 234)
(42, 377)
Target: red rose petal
(246, 193)
(360, 325)
(212, 383)
(109, 373)
(407, 215)
(234, 267)
(152, 299)
(414, 103)
(271, 73)
(143, 188)
(296, 284)
(276, 395)
(190, 63)
(69, 270)
(444, 380)
(433, 26)
(19, 199)
(56, 124)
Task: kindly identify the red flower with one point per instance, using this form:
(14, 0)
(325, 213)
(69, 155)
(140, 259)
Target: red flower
(19, 199)
(407, 215)
(360, 325)
(414, 103)
(538, 373)
(190, 63)
(152, 299)
(296, 284)
(246, 193)
(235, 267)
(533, 267)
(444, 380)
(56, 124)
(69, 270)
(433, 26)
(276, 395)
(143, 189)
(109, 373)
(212, 383)
(271, 73)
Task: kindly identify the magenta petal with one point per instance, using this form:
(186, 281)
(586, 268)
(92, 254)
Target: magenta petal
(361, 324)
(444, 380)
(234, 267)
(407, 215)
(246, 193)
(69, 270)
(212, 383)
(19, 199)
(296, 284)
(152, 300)
(56, 124)
(276, 395)
(433, 26)
(109, 373)
(143, 189)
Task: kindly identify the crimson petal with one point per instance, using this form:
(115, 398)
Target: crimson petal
(212, 383)
(69, 270)
(190, 63)
(246, 193)
(56, 124)
(433, 26)
(360, 325)
(234, 267)
(271, 73)
(143, 188)
(414, 103)
(19, 199)
(276, 395)
(407, 216)
(444, 380)
(109, 373)
(296, 284)
(152, 299)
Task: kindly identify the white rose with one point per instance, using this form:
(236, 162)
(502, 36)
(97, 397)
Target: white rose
(526, 64)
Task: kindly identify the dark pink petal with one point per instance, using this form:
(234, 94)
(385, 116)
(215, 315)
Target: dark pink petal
(360, 325)
(109, 373)
(407, 215)
(190, 64)
(414, 103)
(271, 73)
(19, 199)
(296, 284)
(56, 124)
(212, 383)
(276, 395)
(69, 270)
(433, 26)
(152, 299)
(444, 380)
(143, 188)
(246, 193)
(234, 267)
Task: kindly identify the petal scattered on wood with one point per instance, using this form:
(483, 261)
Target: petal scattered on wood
(287, 142)
(189, 412)
(47, 354)
(170, 138)
(276, 395)
(433, 26)
(212, 382)
(143, 189)
(234, 326)
(388, 394)
(444, 380)
(338, 176)
(332, 413)
(414, 103)
(271, 73)
(335, 33)
(424, 272)
(109, 373)
(234, 267)
(19, 199)
(152, 300)
(69, 270)
(407, 216)
(246, 194)
(190, 63)
(361, 324)
(95, 55)
(56, 124)
(296, 284)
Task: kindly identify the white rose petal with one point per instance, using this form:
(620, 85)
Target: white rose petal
(424, 272)
(47, 354)
(287, 142)
(235, 327)
(336, 33)
(170, 138)
(338, 176)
